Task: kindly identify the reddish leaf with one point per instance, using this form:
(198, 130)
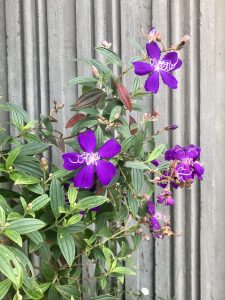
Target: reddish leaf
(124, 96)
(74, 120)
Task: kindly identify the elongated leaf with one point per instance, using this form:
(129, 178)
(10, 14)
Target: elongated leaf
(91, 98)
(35, 236)
(99, 136)
(128, 143)
(7, 194)
(66, 244)
(4, 287)
(105, 297)
(14, 236)
(36, 188)
(57, 196)
(82, 80)
(123, 271)
(2, 216)
(156, 152)
(132, 204)
(34, 148)
(74, 219)
(40, 202)
(11, 157)
(20, 178)
(115, 113)
(138, 143)
(12, 273)
(72, 195)
(67, 291)
(136, 165)
(91, 202)
(25, 225)
(111, 56)
(137, 178)
(74, 120)
(96, 63)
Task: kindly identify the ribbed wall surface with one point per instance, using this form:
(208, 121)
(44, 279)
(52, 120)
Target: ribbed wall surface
(39, 39)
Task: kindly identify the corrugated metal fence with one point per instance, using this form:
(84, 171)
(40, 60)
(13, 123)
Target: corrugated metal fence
(39, 39)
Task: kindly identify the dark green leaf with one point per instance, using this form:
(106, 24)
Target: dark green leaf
(25, 225)
(66, 244)
(91, 202)
(137, 178)
(57, 196)
(156, 152)
(111, 56)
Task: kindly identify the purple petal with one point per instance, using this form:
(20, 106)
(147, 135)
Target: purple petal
(152, 83)
(151, 207)
(72, 161)
(110, 149)
(105, 171)
(142, 68)
(171, 56)
(85, 177)
(87, 141)
(169, 79)
(153, 50)
(170, 201)
(177, 66)
(154, 224)
(160, 198)
(199, 169)
(192, 151)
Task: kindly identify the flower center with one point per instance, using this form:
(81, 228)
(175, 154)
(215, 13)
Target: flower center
(165, 65)
(88, 158)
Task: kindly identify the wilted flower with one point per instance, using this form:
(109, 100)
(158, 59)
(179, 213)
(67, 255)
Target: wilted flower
(170, 62)
(90, 162)
(106, 44)
(166, 198)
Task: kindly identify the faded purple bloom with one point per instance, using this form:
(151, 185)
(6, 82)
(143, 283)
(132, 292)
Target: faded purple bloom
(169, 62)
(171, 127)
(183, 172)
(151, 207)
(166, 198)
(90, 162)
(155, 162)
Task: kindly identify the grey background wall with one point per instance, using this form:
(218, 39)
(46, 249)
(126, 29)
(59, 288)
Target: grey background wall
(38, 40)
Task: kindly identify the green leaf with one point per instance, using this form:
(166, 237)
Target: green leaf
(111, 56)
(115, 113)
(36, 188)
(123, 271)
(20, 178)
(93, 62)
(4, 287)
(105, 297)
(2, 216)
(122, 214)
(91, 202)
(74, 219)
(99, 136)
(82, 80)
(124, 131)
(136, 165)
(40, 202)
(14, 236)
(12, 273)
(25, 225)
(72, 195)
(66, 244)
(138, 146)
(11, 157)
(67, 291)
(35, 236)
(156, 152)
(132, 203)
(34, 148)
(137, 178)
(9, 194)
(57, 196)
(128, 143)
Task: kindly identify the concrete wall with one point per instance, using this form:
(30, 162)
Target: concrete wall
(39, 39)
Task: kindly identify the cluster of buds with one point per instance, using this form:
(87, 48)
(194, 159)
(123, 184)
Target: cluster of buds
(150, 117)
(56, 107)
(106, 44)
(153, 35)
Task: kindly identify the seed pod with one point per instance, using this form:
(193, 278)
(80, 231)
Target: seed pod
(124, 96)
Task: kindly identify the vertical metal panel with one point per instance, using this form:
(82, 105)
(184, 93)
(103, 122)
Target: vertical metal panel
(40, 38)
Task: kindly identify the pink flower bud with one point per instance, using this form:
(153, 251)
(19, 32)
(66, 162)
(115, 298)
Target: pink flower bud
(106, 44)
(185, 39)
(95, 72)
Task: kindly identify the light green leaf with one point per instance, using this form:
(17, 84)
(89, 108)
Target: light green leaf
(20, 178)
(91, 202)
(72, 195)
(132, 204)
(111, 56)
(33, 148)
(156, 152)
(128, 143)
(25, 225)
(35, 236)
(74, 219)
(40, 202)
(136, 165)
(67, 291)
(36, 188)
(4, 287)
(2, 216)
(82, 80)
(66, 244)
(137, 178)
(115, 113)
(57, 196)
(11, 157)
(14, 236)
(123, 271)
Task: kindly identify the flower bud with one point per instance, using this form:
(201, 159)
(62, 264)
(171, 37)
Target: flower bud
(145, 291)
(106, 44)
(60, 106)
(185, 39)
(139, 230)
(171, 127)
(29, 206)
(44, 163)
(95, 72)
(145, 237)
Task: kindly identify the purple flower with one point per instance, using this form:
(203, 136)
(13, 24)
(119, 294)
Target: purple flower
(169, 62)
(183, 172)
(151, 207)
(90, 162)
(165, 197)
